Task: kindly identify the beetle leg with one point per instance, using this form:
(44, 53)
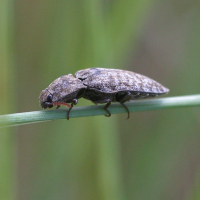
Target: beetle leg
(122, 99)
(74, 102)
(108, 101)
(69, 110)
(126, 109)
(58, 106)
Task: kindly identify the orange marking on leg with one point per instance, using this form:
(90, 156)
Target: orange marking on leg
(61, 103)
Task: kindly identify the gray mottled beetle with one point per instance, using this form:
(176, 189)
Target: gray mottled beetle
(65, 89)
(114, 85)
(99, 85)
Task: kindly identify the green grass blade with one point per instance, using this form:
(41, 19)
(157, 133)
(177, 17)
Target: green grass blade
(7, 161)
(86, 111)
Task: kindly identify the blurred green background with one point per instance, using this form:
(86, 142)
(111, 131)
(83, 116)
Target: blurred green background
(154, 155)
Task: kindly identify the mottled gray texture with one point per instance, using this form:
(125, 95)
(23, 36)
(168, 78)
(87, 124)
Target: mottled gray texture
(114, 84)
(63, 89)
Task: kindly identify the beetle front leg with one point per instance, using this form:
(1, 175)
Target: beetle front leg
(74, 102)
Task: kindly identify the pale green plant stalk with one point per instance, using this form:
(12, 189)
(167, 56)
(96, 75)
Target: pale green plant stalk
(86, 111)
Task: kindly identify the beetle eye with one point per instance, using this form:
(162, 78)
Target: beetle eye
(49, 98)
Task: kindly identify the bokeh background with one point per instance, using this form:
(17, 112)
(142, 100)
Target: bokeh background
(154, 155)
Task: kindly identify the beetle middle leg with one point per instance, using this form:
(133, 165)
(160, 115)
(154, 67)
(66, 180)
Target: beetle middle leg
(108, 101)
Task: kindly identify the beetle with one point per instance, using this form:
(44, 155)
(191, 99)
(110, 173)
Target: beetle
(115, 85)
(65, 89)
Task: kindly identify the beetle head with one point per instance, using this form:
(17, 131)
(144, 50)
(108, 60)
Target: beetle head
(45, 99)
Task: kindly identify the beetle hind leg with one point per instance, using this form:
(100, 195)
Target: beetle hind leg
(122, 98)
